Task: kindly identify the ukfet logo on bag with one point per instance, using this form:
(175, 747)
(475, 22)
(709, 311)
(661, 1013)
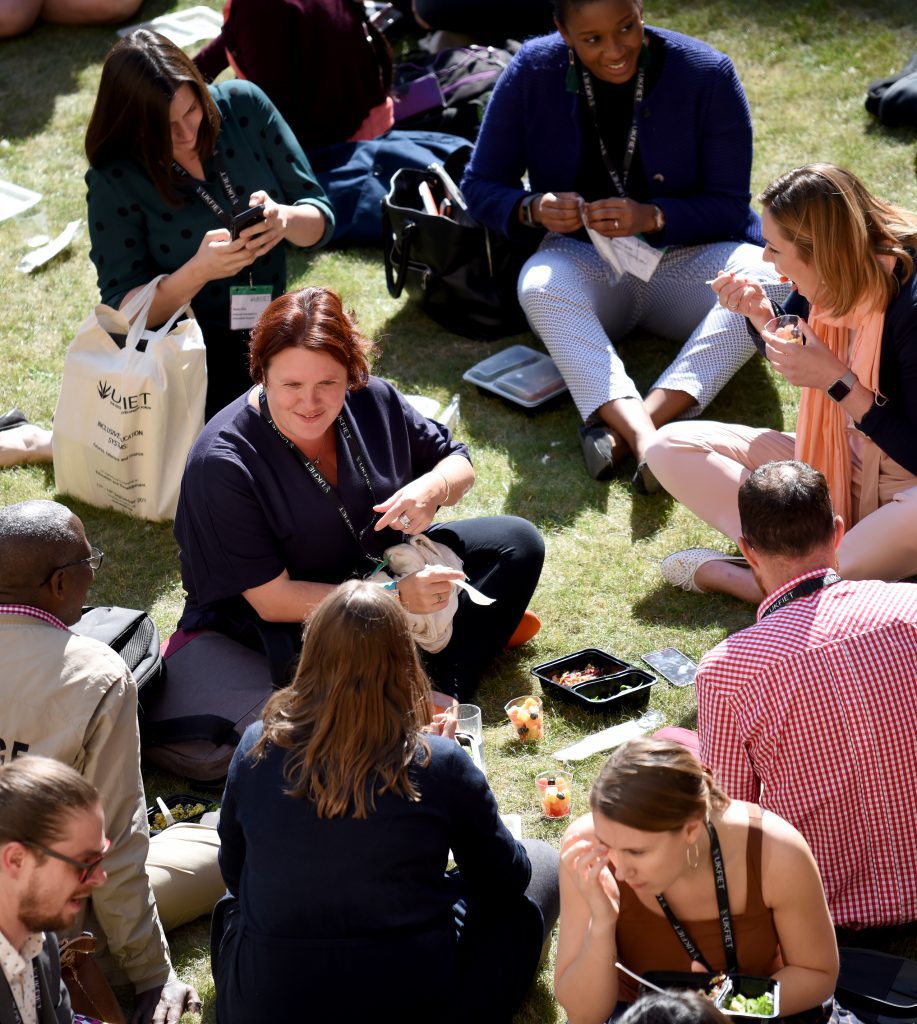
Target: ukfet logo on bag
(126, 403)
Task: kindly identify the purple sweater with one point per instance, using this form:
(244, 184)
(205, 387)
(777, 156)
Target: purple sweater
(311, 57)
(694, 136)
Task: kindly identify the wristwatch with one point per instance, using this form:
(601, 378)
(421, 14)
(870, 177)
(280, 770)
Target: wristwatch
(840, 389)
(658, 219)
(528, 213)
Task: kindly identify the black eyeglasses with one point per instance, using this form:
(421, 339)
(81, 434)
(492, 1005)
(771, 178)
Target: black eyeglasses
(93, 560)
(87, 868)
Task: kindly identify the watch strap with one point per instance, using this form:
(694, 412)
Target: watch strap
(528, 214)
(841, 388)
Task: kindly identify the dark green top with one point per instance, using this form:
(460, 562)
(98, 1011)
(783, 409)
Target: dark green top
(136, 234)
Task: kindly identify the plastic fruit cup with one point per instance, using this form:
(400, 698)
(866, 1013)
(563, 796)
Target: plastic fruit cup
(786, 328)
(555, 791)
(526, 717)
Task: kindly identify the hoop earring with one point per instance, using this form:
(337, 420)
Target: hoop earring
(688, 850)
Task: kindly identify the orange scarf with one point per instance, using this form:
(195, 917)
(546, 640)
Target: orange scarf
(821, 426)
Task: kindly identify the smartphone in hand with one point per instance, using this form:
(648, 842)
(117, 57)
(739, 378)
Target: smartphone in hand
(253, 215)
(671, 664)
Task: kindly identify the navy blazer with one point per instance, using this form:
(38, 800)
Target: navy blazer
(55, 1000)
(695, 141)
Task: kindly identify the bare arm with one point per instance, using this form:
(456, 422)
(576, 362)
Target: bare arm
(792, 888)
(286, 600)
(446, 484)
(585, 982)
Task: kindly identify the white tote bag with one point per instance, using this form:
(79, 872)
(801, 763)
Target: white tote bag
(126, 417)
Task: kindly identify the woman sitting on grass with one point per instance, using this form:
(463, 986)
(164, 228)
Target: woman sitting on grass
(638, 884)
(850, 257)
(173, 164)
(629, 130)
(307, 479)
(336, 826)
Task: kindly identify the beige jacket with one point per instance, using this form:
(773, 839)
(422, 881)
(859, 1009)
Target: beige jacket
(72, 698)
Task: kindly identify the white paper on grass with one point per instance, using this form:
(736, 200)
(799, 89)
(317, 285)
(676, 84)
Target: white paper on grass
(14, 199)
(183, 27)
(38, 257)
(629, 255)
(612, 737)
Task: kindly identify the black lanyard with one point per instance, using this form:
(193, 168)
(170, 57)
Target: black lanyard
(619, 181)
(17, 1016)
(722, 901)
(803, 590)
(207, 198)
(330, 493)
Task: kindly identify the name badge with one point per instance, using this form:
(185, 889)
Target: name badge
(629, 255)
(246, 304)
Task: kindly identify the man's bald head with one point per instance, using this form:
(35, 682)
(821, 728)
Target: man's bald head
(36, 537)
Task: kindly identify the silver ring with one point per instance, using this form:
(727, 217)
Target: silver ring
(439, 599)
(733, 307)
(616, 224)
(404, 519)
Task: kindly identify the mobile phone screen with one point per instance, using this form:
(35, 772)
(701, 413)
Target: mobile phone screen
(671, 664)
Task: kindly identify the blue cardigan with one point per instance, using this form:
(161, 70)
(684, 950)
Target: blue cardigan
(694, 136)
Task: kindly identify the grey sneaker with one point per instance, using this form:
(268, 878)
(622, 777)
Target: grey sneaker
(597, 452)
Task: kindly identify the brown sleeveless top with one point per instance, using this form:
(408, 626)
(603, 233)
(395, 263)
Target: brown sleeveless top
(646, 941)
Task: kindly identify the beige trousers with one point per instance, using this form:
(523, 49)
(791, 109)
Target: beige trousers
(184, 872)
(702, 464)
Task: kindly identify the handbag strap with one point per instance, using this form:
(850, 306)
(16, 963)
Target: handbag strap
(395, 282)
(137, 310)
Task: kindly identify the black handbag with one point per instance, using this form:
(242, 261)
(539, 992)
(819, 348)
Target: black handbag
(462, 274)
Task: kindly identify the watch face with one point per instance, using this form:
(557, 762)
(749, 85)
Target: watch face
(839, 390)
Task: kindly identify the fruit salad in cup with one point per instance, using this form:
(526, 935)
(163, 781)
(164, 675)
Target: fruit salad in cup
(555, 791)
(526, 716)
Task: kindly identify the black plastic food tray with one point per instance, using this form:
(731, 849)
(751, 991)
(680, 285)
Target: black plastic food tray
(173, 800)
(603, 694)
(744, 984)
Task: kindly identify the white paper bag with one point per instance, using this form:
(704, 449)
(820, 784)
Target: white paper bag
(126, 418)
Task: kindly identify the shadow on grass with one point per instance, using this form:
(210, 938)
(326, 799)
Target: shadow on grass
(673, 607)
(141, 558)
(46, 63)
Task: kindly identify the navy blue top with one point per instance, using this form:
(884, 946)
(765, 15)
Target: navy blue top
(694, 139)
(333, 901)
(248, 509)
(893, 426)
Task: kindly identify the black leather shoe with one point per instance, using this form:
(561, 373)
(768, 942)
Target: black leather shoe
(597, 452)
(644, 482)
(13, 418)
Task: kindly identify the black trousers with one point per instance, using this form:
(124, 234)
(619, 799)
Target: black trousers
(502, 557)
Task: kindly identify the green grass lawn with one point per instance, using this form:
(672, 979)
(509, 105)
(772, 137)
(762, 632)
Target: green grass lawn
(805, 65)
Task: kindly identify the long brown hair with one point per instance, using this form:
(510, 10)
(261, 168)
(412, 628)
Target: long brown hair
(655, 786)
(841, 229)
(130, 119)
(312, 318)
(351, 717)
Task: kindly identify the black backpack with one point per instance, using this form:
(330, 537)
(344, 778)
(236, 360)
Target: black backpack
(133, 635)
(466, 76)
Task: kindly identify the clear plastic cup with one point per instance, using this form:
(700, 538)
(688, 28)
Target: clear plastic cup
(526, 716)
(555, 793)
(786, 328)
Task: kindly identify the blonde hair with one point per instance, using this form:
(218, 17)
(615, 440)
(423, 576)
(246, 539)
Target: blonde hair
(352, 716)
(841, 230)
(655, 786)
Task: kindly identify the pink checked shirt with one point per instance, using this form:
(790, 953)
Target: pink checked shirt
(812, 713)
